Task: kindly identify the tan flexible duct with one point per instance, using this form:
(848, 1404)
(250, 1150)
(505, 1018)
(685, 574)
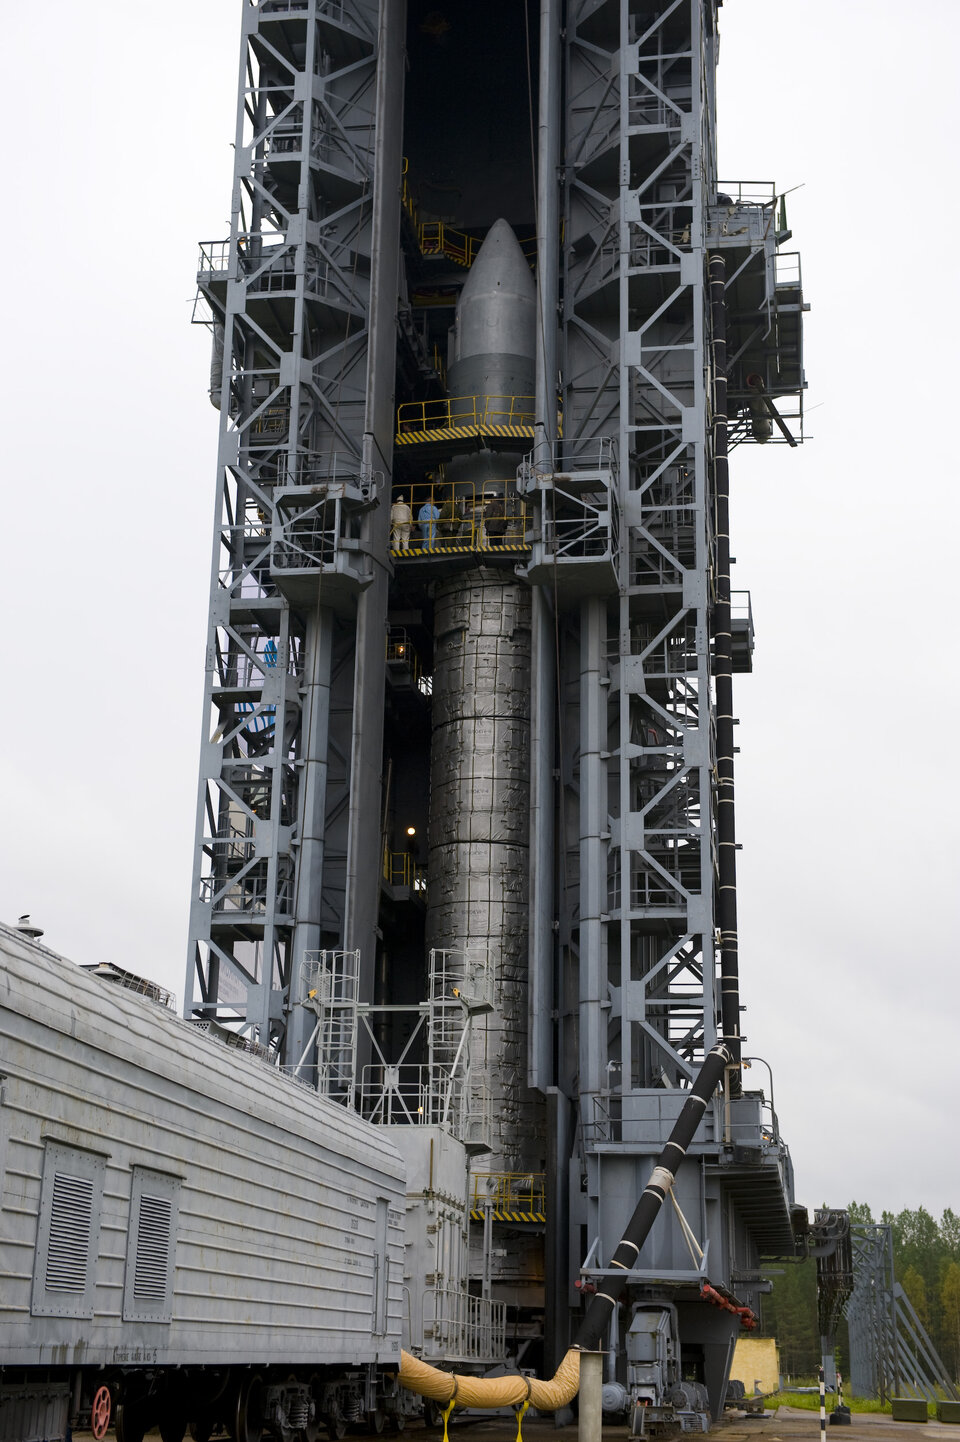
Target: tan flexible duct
(510, 1391)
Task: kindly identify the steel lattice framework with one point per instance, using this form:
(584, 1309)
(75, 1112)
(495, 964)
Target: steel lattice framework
(298, 589)
(641, 882)
(890, 1352)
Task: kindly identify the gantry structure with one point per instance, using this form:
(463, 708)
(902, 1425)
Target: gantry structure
(302, 301)
(891, 1354)
(497, 726)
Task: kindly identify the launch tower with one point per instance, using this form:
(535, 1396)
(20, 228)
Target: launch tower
(485, 328)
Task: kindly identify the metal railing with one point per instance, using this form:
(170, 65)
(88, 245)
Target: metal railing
(335, 472)
(435, 237)
(488, 517)
(411, 1094)
(749, 192)
(463, 1325)
(578, 537)
(568, 460)
(741, 614)
(509, 1191)
(248, 546)
(328, 983)
(244, 671)
(403, 662)
(787, 270)
(247, 892)
(464, 413)
(400, 869)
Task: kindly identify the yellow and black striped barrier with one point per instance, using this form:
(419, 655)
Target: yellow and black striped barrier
(452, 433)
(454, 548)
(499, 1216)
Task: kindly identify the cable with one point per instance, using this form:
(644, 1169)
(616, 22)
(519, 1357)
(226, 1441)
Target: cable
(693, 1246)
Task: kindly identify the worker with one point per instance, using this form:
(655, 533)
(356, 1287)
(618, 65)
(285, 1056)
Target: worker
(401, 519)
(428, 515)
(450, 522)
(494, 517)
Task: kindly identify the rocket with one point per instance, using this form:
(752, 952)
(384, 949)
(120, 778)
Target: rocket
(480, 749)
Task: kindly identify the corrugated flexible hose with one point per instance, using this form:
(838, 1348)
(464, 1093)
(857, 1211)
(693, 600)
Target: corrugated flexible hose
(513, 1391)
(510, 1391)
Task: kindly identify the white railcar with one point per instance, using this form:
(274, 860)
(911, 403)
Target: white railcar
(187, 1237)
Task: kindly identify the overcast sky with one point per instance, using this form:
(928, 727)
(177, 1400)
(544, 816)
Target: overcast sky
(119, 163)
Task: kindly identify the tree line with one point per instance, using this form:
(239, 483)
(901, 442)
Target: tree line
(926, 1257)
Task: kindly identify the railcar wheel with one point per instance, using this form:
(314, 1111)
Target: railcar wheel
(378, 1420)
(398, 1421)
(100, 1412)
(337, 1427)
(313, 1431)
(130, 1422)
(248, 1418)
(172, 1426)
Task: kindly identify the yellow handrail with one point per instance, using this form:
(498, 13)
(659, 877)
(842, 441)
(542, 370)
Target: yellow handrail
(464, 413)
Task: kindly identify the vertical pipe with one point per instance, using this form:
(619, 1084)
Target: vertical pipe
(362, 889)
(557, 1240)
(543, 695)
(723, 679)
(543, 688)
(543, 692)
(590, 1423)
(593, 870)
(314, 732)
(548, 227)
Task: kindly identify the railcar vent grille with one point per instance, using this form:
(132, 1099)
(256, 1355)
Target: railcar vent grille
(149, 1276)
(66, 1258)
(153, 1249)
(71, 1216)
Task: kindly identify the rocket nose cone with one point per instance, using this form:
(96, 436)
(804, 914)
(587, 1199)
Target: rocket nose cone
(496, 312)
(500, 267)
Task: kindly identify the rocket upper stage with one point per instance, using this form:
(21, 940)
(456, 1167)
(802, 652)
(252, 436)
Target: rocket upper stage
(494, 336)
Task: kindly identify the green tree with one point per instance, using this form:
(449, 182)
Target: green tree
(916, 1289)
(950, 1311)
(922, 1253)
(950, 1234)
(790, 1315)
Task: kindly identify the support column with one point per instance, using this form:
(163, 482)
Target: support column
(308, 900)
(590, 1427)
(362, 893)
(593, 861)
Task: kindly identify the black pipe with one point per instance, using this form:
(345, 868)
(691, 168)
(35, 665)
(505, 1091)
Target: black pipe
(755, 383)
(723, 682)
(601, 1307)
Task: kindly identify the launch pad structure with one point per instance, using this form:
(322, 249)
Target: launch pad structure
(486, 326)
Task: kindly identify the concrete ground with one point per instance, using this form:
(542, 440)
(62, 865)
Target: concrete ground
(788, 1424)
